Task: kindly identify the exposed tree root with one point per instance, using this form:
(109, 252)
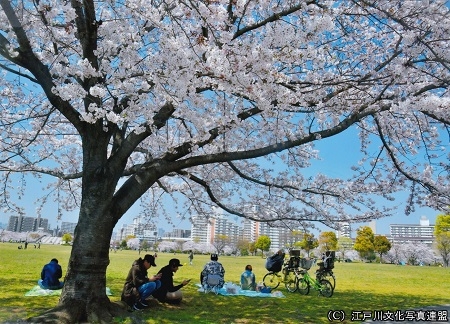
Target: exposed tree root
(81, 313)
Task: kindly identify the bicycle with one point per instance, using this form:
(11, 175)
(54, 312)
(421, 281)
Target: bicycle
(305, 282)
(326, 267)
(289, 276)
(324, 273)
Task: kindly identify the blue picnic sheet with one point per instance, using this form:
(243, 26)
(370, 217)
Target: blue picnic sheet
(248, 293)
(38, 291)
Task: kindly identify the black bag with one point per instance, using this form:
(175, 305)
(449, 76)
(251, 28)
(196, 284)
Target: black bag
(130, 294)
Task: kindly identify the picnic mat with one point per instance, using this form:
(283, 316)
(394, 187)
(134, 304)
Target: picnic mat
(38, 291)
(248, 293)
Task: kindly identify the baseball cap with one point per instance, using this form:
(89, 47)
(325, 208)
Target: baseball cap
(175, 263)
(150, 259)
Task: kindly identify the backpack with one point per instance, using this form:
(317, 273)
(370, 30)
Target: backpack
(130, 294)
(213, 280)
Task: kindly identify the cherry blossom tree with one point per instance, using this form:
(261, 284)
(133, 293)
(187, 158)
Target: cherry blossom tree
(133, 244)
(418, 253)
(220, 102)
(344, 245)
(394, 255)
(166, 246)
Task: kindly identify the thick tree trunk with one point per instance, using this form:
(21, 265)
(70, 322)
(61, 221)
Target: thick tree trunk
(84, 298)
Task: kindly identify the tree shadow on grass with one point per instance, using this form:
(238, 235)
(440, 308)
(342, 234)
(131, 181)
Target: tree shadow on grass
(209, 308)
(295, 308)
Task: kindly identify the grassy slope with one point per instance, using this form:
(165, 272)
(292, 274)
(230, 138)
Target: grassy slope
(360, 287)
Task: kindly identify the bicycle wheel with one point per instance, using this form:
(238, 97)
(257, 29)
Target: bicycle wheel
(291, 281)
(326, 288)
(302, 286)
(327, 275)
(331, 278)
(271, 280)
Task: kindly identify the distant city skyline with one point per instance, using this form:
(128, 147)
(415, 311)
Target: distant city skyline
(335, 161)
(382, 225)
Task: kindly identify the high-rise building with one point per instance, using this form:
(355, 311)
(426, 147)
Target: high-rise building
(67, 227)
(202, 229)
(344, 230)
(373, 226)
(27, 224)
(413, 233)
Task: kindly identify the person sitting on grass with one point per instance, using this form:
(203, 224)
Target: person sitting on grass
(169, 293)
(212, 275)
(138, 281)
(50, 275)
(248, 280)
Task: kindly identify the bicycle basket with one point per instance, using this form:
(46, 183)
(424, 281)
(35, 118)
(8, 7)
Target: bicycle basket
(305, 263)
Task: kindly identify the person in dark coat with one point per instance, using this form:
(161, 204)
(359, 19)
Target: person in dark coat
(168, 293)
(50, 275)
(138, 279)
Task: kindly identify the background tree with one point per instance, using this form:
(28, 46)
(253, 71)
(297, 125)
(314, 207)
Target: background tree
(327, 241)
(442, 224)
(308, 243)
(394, 255)
(179, 245)
(66, 238)
(443, 247)
(120, 103)
(417, 253)
(145, 245)
(263, 243)
(344, 245)
(442, 235)
(156, 246)
(364, 242)
(123, 244)
(219, 242)
(166, 246)
(243, 246)
(133, 244)
(294, 237)
(252, 248)
(381, 245)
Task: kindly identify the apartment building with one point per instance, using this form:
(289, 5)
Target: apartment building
(27, 224)
(412, 233)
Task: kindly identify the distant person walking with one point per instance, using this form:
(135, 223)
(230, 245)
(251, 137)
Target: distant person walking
(50, 275)
(191, 257)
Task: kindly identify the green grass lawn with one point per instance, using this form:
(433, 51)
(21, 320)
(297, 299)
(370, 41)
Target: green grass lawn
(359, 287)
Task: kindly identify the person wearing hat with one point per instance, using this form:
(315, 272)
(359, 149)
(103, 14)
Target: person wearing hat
(139, 281)
(212, 276)
(50, 275)
(168, 293)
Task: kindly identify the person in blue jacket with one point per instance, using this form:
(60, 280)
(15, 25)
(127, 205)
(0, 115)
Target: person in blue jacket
(50, 275)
